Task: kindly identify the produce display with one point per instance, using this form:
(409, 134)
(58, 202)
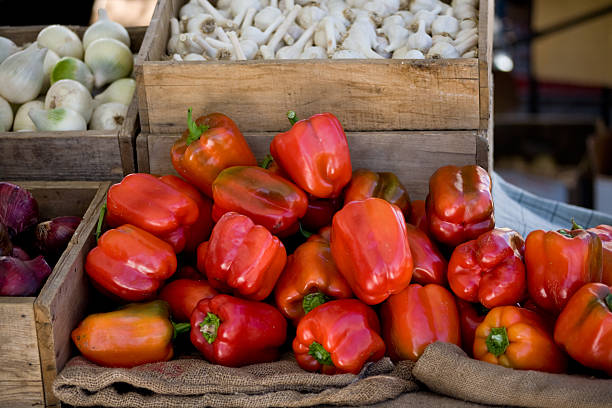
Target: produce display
(322, 29)
(383, 276)
(28, 248)
(60, 83)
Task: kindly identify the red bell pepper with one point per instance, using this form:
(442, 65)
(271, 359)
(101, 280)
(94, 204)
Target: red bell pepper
(315, 154)
(459, 205)
(371, 250)
(188, 272)
(243, 258)
(146, 202)
(309, 280)
(234, 332)
(209, 145)
(418, 216)
(604, 232)
(130, 263)
(320, 212)
(366, 184)
(559, 263)
(518, 338)
(489, 269)
(184, 294)
(266, 198)
(429, 264)
(199, 231)
(470, 317)
(584, 327)
(417, 317)
(338, 337)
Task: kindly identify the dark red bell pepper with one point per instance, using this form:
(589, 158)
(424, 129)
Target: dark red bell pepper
(130, 263)
(418, 216)
(385, 185)
(234, 332)
(459, 205)
(320, 212)
(146, 202)
(559, 263)
(315, 154)
(183, 295)
(371, 250)
(242, 257)
(489, 269)
(199, 231)
(266, 198)
(338, 337)
(310, 279)
(470, 317)
(429, 264)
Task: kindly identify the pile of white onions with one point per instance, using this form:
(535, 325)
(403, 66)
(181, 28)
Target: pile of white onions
(320, 29)
(50, 81)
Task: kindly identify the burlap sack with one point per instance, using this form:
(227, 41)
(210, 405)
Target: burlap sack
(193, 382)
(446, 369)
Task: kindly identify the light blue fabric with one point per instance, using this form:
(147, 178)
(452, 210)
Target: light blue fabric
(524, 212)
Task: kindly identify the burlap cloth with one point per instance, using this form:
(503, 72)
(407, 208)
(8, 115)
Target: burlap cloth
(443, 369)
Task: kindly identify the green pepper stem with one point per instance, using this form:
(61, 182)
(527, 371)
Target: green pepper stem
(292, 116)
(180, 328)
(209, 327)
(497, 341)
(565, 233)
(608, 300)
(305, 234)
(100, 221)
(195, 131)
(267, 161)
(313, 300)
(576, 226)
(320, 354)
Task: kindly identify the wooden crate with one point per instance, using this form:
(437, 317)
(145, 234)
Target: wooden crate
(35, 331)
(366, 95)
(74, 155)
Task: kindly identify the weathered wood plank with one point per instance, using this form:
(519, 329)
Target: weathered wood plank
(18, 345)
(21, 393)
(62, 301)
(485, 53)
(412, 156)
(364, 94)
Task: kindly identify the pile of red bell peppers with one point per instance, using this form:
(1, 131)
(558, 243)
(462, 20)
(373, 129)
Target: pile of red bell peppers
(218, 253)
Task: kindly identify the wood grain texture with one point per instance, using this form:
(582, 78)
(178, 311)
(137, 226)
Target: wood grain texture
(366, 95)
(20, 376)
(62, 301)
(485, 61)
(412, 156)
(89, 155)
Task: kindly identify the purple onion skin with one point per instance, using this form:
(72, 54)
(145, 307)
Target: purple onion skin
(20, 254)
(18, 208)
(22, 278)
(52, 237)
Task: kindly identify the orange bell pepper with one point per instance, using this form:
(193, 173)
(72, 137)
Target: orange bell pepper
(310, 279)
(518, 338)
(130, 263)
(138, 333)
(417, 317)
(145, 201)
(371, 250)
(559, 263)
(459, 205)
(366, 184)
(584, 327)
(209, 145)
(199, 231)
(315, 154)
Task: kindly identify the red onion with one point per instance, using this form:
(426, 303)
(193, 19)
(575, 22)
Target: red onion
(51, 237)
(6, 246)
(20, 254)
(18, 208)
(22, 278)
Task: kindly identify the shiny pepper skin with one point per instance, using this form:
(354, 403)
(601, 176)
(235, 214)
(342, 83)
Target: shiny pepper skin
(183, 295)
(315, 155)
(366, 184)
(429, 264)
(459, 205)
(489, 269)
(371, 250)
(604, 232)
(584, 327)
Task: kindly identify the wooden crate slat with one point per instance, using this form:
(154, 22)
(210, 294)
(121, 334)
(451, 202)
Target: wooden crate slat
(412, 156)
(21, 393)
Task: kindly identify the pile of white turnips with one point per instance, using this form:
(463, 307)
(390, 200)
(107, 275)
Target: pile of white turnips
(321, 29)
(68, 71)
